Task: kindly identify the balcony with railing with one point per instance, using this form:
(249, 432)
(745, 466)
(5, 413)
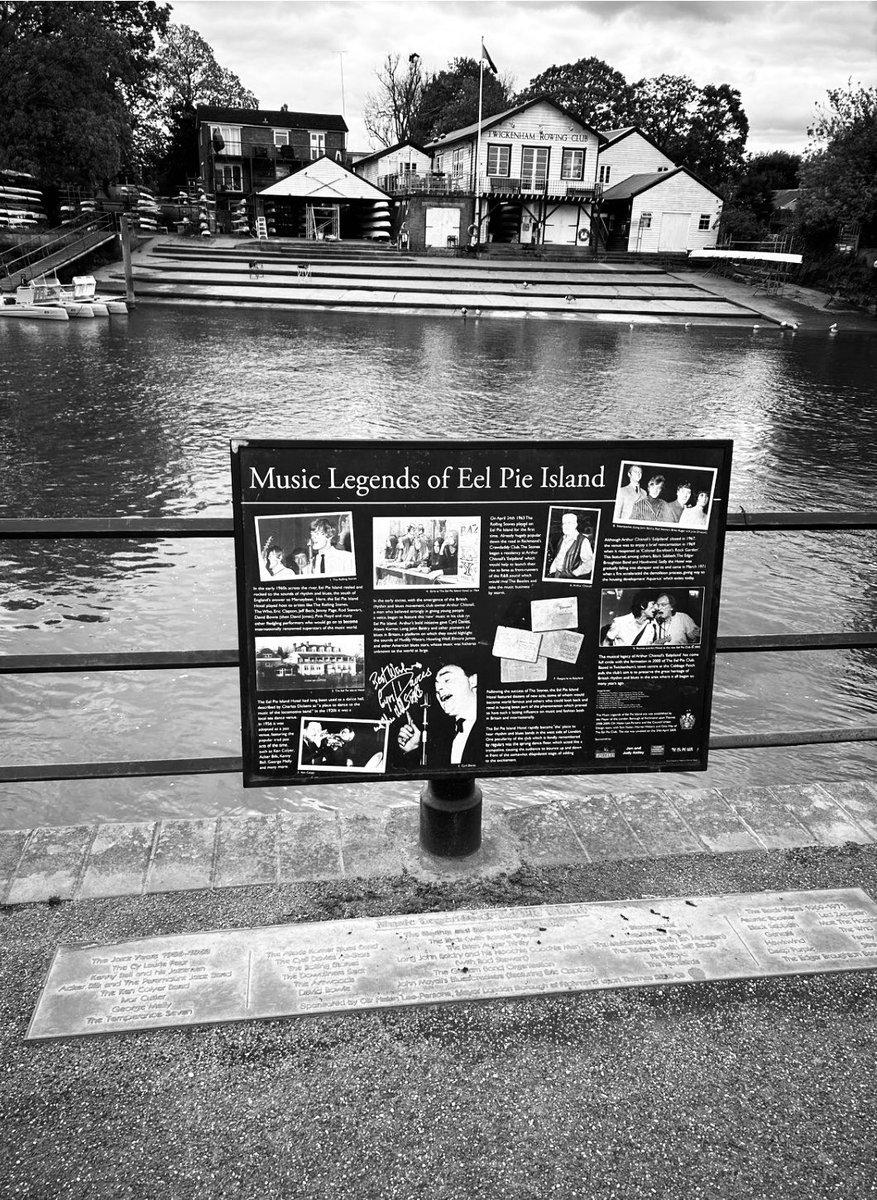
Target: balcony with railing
(539, 184)
(432, 183)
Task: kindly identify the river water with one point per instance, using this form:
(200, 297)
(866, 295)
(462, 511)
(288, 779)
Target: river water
(134, 417)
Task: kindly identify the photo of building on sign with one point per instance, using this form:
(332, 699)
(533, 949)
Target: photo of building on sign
(290, 664)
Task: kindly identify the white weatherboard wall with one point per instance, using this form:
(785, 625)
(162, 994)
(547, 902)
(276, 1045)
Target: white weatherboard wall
(674, 198)
(632, 155)
(394, 163)
(542, 125)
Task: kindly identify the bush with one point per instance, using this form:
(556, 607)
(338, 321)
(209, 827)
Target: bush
(851, 276)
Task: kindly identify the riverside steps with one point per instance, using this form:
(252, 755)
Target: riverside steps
(361, 275)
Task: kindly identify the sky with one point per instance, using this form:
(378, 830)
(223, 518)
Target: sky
(781, 55)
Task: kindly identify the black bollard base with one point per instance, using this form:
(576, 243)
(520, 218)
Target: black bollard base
(450, 816)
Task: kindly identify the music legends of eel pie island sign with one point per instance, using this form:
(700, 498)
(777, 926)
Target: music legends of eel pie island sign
(416, 610)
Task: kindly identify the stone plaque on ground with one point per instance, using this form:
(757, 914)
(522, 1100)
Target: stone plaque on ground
(428, 958)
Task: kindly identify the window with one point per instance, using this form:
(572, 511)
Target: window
(439, 164)
(228, 178)
(318, 145)
(645, 220)
(534, 166)
(281, 137)
(704, 222)
(457, 162)
(604, 174)
(572, 164)
(662, 169)
(499, 160)
(226, 139)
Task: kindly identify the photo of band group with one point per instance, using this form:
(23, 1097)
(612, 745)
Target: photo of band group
(491, 635)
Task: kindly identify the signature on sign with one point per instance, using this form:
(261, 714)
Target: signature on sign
(399, 686)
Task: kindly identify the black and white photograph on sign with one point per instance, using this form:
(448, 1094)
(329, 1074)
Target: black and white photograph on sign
(310, 662)
(342, 744)
(571, 544)
(650, 618)
(442, 725)
(427, 552)
(302, 546)
(664, 494)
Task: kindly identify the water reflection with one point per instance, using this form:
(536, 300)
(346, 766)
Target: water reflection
(107, 418)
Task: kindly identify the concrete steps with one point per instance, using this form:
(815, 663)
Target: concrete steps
(359, 276)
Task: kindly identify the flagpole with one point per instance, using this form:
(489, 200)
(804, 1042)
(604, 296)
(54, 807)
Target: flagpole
(478, 144)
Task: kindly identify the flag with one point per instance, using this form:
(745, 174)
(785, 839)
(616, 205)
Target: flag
(488, 59)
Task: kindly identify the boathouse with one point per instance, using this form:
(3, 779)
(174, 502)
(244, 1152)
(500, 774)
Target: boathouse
(661, 211)
(325, 201)
(242, 151)
(526, 175)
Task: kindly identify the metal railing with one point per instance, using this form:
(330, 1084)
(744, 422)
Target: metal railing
(80, 235)
(222, 527)
(539, 185)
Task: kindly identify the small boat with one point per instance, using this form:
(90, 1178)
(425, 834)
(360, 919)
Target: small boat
(49, 292)
(85, 291)
(23, 306)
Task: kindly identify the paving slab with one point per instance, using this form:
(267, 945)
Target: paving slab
(367, 846)
(118, 860)
(828, 823)
(246, 851)
(859, 799)
(545, 836)
(711, 820)
(183, 857)
(774, 824)
(12, 843)
(602, 830)
(51, 864)
(310, 847)
(656, 823)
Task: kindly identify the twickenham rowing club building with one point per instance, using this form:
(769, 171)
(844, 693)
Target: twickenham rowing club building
(530, 178)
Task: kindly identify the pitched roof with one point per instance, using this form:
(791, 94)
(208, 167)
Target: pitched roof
(457, 135)
(617, 135)
(271, 116)
(634, 185)
(391, 149)
(786, 199)
(325, 179)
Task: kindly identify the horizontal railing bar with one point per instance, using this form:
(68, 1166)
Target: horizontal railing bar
(158, 660)
(796, 737)
(196, 527)
(147, 660)
(115, 527)
(232, 765)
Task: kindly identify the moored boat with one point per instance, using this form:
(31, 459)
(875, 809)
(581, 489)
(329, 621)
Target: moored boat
(23, 307)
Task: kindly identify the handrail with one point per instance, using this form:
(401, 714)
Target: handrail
(78, 230)
(216, 526)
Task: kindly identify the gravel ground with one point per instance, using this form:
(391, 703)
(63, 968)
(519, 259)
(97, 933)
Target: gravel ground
(759, 1088)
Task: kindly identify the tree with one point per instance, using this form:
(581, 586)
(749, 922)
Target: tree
(389, 112)
(69, 74)
(595, 93)
(704, 129)
(839, 171)
(187, 74)
(450, 99)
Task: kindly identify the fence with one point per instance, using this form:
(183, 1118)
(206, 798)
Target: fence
(741, 523)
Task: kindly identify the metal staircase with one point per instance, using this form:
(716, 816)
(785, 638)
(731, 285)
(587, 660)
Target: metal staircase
(77, 238)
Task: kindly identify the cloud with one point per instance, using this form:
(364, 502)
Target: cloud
(782, 55)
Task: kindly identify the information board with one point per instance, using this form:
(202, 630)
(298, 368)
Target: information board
(411, 609)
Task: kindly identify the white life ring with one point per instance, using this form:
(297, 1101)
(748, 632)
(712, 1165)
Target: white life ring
(584, 235)
(472, 230)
